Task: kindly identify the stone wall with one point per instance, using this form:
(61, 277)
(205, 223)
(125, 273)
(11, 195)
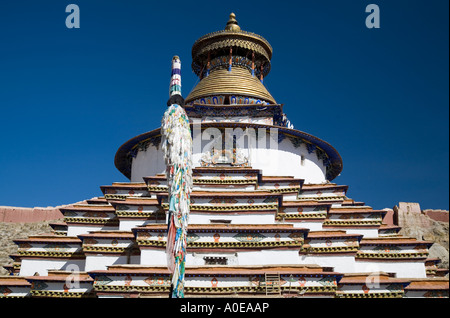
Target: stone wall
(18, 223)
(424, 225)
(389, 217)
(410, 208)
(28, 215)
(12, 231)
(437, 215)
(12, 214)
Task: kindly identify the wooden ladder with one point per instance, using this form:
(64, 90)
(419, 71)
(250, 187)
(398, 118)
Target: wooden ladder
(273, 284)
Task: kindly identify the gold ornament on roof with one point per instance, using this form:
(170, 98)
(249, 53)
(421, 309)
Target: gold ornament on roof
(232, 24)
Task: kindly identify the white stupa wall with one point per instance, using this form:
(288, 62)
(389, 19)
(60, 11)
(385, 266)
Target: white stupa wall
(286, 160)
(251, 218)
(343, 263)
(402, 269)
(102, 261)
(157, 257)
(41, 266)
(128, 225)
(147, 163)
(367, 233)
(273, 158)
(78, 287)
(268, 257)
(74, 231)
(311, 225)
(153, 257)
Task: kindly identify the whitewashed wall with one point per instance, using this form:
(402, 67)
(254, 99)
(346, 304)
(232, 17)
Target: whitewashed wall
(102, 261)
(75, 230)
(343, 263)
(157, 257)
(406, 269)
(280, 159)
(235, 218)
(311, 225)
(287, 161)
(147, 163)
(368, 233)
(29, 267)
(127, 225)
(154, 257)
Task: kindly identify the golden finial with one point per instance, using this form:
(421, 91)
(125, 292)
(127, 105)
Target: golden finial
(232, 24)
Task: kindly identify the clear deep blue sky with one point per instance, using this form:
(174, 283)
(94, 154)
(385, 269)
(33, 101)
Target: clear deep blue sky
(69, 98)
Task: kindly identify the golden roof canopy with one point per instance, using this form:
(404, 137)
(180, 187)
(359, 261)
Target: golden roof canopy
(237, 82)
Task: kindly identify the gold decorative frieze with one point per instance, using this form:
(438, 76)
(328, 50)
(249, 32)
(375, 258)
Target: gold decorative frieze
(352, 222)
(393, 294)
(116, 196)
(134, 214)
(99, 221)
(261, 289)
(390, 255)
(104, 249)
(225, 290)
(430, 271)
(51, 254)
(224, 181)
(300, 216)
(155, 243)
(196, 244)
(282, 190)
(137, 214)
(134, 288)
(157, 188)
(61, 294)
(236, 207)
(329, 249)
(322, 198)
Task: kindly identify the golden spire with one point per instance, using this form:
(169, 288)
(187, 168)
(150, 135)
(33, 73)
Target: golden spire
(232, 24)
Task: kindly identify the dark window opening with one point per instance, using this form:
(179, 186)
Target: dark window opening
(220, 221)
(215, 260)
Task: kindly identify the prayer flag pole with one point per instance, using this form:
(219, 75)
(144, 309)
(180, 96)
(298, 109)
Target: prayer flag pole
(176, 143)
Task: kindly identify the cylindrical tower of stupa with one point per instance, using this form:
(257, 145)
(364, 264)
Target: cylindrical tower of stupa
(231, 65)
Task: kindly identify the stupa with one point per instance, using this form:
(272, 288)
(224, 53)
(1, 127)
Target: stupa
(265, 220)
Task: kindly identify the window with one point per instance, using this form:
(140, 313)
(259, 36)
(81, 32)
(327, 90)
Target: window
(209, 260)
(220, 221)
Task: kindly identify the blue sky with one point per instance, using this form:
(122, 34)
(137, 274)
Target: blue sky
(69, 98)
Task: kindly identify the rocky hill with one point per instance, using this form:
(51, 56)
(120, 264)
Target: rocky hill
(11, 231)
(418, 224)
